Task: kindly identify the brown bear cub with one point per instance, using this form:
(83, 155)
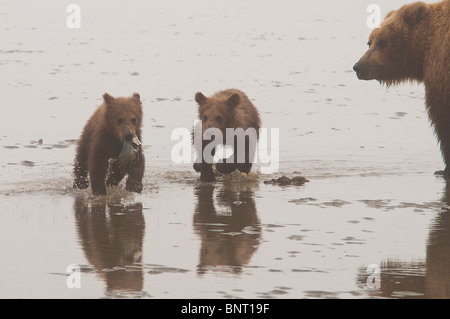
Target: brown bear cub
(113, 131)
(228, 109)
(413, 44)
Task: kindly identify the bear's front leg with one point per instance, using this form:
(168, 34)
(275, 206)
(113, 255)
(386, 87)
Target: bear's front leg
(80, 169)
(250, 149)
(207, 173)
(135, 175)
(444, 138)
(442, 131)
(197, 167)
(81, 177)
(245, 167)
(115, 175)
(97, 173)
(227, 166)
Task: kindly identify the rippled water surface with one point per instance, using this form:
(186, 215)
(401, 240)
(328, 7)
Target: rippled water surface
(371, 222)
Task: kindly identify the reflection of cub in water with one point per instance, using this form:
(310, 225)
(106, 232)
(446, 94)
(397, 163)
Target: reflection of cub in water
(231, 232)
(111, 236)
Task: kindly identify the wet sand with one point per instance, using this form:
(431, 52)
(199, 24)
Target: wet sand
(367, 151)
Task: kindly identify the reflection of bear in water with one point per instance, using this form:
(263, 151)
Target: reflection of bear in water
(429, 278)
(229, 234)
(112, 236)
(438, 252)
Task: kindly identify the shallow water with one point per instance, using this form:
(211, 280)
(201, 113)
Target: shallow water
(367, 151)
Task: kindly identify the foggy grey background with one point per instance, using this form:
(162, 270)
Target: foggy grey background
(293, 59)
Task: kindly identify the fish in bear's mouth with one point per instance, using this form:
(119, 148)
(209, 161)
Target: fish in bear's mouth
(129, 155)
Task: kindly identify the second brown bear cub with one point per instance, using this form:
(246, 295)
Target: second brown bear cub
(226, 109)
(114, 125)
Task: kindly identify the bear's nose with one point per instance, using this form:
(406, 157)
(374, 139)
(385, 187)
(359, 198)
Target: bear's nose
(128, 137)
(357, 67)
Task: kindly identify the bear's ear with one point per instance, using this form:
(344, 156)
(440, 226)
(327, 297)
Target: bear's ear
(137, 97)
(234, 100)
(414, 13)
(108, 98)
(200, 98)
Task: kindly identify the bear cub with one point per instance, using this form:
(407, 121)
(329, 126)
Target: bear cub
(112, 132)
(228, 109)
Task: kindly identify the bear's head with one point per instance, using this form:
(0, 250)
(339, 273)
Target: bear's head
(217, 111)
(124, 116)
(394, 54)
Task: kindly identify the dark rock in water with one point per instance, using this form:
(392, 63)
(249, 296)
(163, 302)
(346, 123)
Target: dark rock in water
(39, 141)
(60, 146)
(284, 181)
(27, 163)
(299, 180)
(304, 200)
(439, 173)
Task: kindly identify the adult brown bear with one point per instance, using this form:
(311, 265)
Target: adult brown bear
(113, 131)
(413, 44)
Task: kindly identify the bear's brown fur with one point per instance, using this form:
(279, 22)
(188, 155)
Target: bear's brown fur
(114, 122)
(227, 109)
(413, 44)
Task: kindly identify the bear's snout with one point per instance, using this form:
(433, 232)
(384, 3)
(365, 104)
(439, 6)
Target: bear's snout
(359, 70)
(366, 71)
(208, 125)
(127, 134)
(129, 137)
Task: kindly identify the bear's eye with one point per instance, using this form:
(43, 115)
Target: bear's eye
(120, 121)
(219, 119)
(381, 44)
(369, 44)
(133, 120)
(205, 117)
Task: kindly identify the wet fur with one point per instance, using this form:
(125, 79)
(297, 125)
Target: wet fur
(236, 111)
(102, 138)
